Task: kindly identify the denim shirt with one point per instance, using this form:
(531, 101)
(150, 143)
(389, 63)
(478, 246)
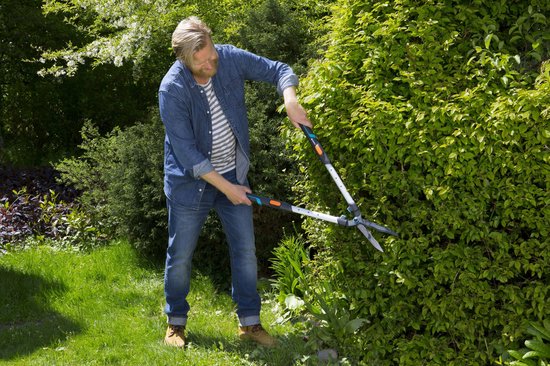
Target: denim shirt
(185, 113)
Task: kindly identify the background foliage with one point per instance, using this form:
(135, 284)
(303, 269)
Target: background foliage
(41, 115)
(436, 115)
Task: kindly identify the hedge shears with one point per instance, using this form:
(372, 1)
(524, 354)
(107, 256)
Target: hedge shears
(343, 220)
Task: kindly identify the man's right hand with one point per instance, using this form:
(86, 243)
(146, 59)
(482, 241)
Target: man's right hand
(237, 194)
(234, 192)
(294, 110)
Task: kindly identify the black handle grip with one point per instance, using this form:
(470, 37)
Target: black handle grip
(315, 144)
(270, 202)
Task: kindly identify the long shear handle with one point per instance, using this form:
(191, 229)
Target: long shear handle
(352, 206)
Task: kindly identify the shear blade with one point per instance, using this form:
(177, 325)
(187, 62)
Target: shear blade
(377, 227)
(369, 236)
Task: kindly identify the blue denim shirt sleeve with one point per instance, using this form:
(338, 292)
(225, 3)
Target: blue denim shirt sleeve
(262, 69)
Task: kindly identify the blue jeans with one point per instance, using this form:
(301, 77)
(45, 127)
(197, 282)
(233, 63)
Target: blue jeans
(184, 226)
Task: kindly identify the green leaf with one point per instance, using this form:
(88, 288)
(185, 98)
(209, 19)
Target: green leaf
(532, 354)
(353, 325)
(488, 39)
(516, 354)
(539, 346)
(539, 331)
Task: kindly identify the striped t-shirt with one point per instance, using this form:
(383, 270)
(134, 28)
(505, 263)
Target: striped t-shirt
(223, 139)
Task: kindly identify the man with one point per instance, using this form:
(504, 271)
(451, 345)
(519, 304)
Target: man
(201, 100)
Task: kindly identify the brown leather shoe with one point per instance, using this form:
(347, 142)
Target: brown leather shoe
(257, 334)
(175, 336)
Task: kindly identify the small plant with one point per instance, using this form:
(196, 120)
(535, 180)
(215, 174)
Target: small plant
(81, 231)
(48, 205)
(537, 352)
(330, 321)
(289, 258)
(334, 321)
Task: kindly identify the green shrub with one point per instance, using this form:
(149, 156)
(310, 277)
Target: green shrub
(273, 30)
(436, 116)
(120, 176)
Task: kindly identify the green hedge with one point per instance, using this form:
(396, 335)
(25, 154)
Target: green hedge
(436, 115)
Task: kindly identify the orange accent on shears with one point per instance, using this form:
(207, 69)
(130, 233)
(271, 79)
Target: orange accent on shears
(319, 150)
(275, 203)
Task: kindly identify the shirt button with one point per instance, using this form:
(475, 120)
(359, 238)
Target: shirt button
(200, 189)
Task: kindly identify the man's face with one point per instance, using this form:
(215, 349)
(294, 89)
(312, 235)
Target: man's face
(204, 64)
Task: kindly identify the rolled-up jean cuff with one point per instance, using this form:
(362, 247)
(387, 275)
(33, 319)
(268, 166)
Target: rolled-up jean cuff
(177, 321)
(249, 320)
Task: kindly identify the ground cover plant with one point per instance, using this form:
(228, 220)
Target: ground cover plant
(33, 204)
(105, 308)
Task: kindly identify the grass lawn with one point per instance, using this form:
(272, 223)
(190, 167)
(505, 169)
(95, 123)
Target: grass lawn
(106, 308)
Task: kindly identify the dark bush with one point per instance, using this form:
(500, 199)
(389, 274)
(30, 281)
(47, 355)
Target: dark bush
(34, 207)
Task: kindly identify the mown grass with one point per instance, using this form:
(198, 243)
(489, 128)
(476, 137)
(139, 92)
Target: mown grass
(105, 308)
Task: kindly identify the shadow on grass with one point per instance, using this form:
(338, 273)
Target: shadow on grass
(288, 350)
(27, 323)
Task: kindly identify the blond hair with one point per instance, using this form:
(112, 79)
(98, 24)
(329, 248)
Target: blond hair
(191, 35)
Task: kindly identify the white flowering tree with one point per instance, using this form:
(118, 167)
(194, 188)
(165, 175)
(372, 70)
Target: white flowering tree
(121, 31)
(114, 31)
